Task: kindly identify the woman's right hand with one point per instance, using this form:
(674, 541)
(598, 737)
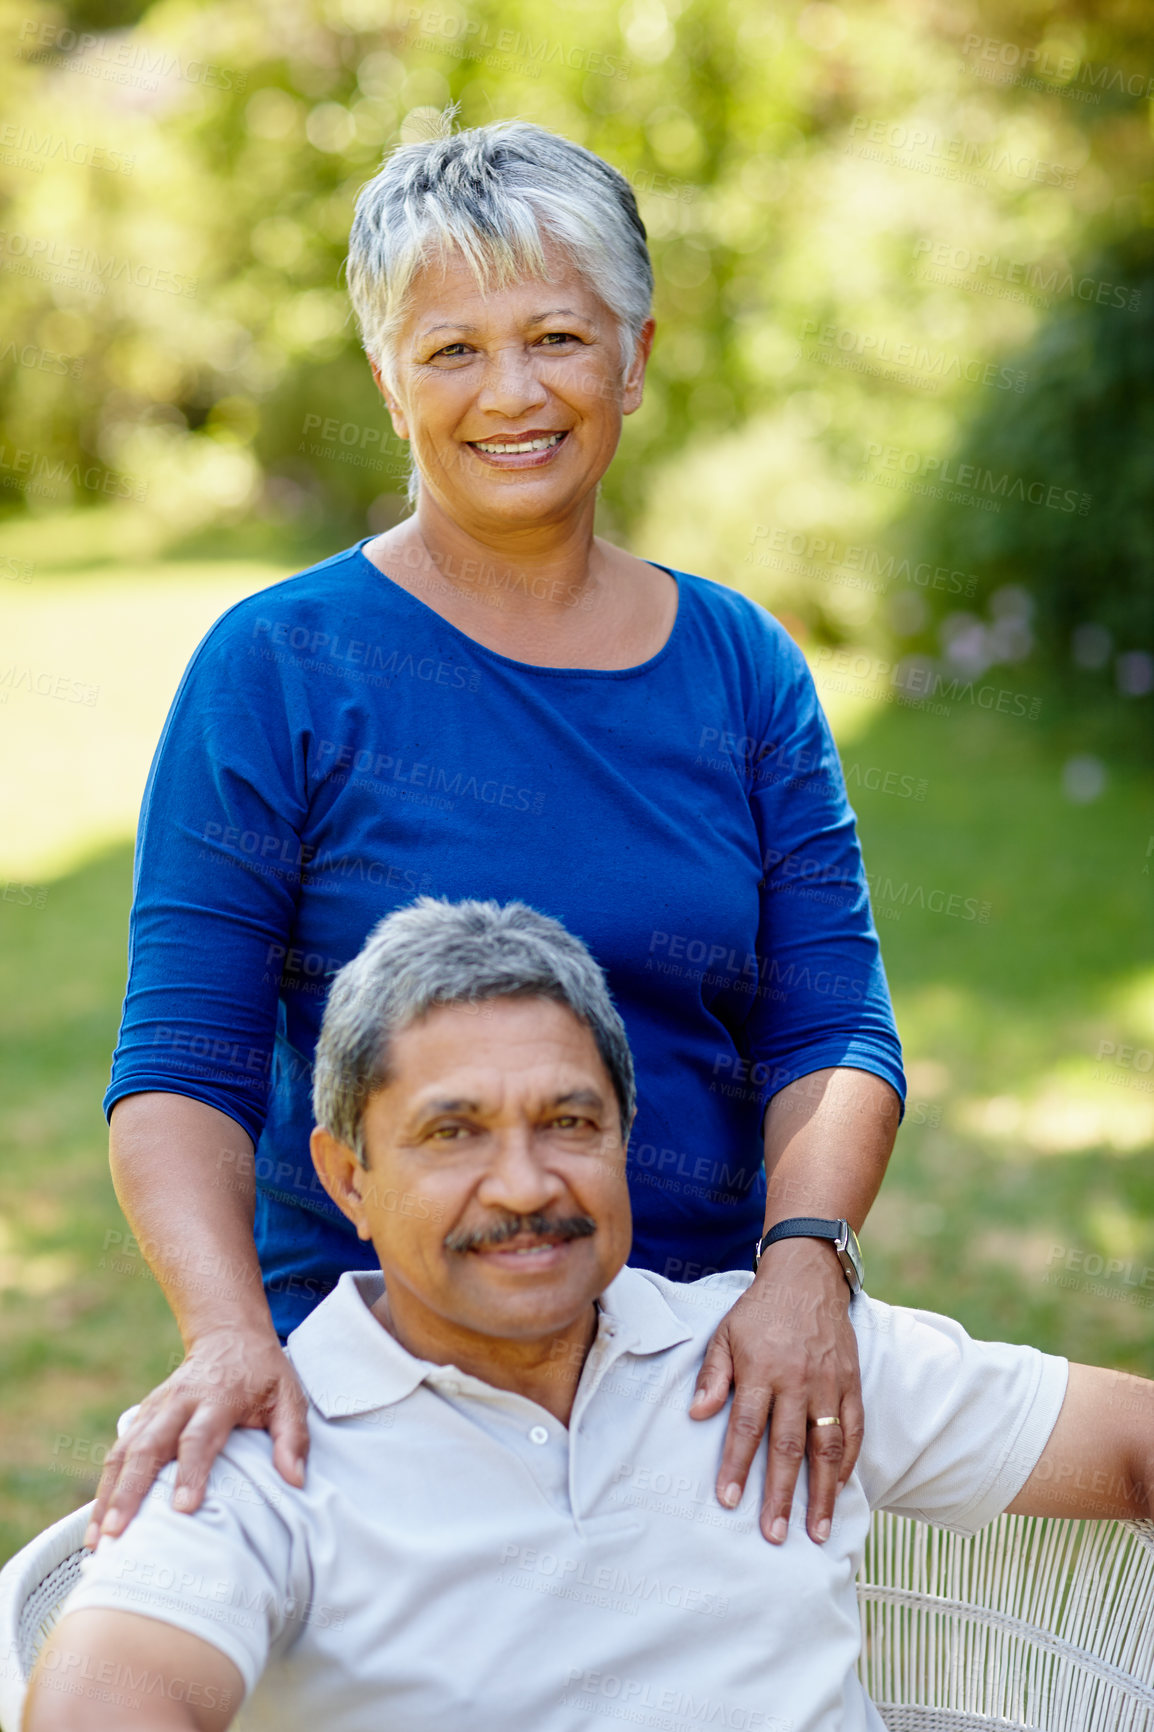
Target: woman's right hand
(229, 1377)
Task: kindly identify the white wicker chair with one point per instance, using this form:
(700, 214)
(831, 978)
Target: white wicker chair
(32, 1586)
(1041, 1624)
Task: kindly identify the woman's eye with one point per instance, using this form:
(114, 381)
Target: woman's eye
(449, 347)
(447, 1133)
(560, 336)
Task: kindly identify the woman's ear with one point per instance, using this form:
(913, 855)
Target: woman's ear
(396, 415)
(634, 382)
(342, 1176)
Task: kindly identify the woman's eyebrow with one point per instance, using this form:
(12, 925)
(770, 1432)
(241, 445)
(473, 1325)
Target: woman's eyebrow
(534, 319)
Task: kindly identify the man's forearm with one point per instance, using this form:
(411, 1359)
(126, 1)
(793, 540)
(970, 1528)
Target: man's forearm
(184, 1177)
(828, 1138)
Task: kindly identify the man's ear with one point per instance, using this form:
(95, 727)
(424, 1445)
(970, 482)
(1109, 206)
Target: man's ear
(396, 416)
(342, 1176)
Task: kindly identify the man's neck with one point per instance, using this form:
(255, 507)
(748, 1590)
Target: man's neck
(546, 1370)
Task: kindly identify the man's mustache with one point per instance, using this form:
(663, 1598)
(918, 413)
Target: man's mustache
(500, 1232)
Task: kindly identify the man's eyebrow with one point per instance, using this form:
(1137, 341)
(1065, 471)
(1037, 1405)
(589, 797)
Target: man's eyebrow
(578, 1098)
(534, 319)
(570, 1098)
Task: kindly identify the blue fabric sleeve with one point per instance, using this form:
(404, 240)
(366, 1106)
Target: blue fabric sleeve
(216, 880)
(823, 998)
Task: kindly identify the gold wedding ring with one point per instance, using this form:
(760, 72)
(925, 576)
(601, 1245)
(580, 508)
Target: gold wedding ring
(829, 1419)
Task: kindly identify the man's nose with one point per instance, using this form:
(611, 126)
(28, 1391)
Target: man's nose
(517, 1179)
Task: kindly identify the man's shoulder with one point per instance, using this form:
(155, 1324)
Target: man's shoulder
(904, 1349)
(882, 1329)
(246, 1503)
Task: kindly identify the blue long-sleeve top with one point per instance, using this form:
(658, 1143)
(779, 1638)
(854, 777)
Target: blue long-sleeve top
(336, 748)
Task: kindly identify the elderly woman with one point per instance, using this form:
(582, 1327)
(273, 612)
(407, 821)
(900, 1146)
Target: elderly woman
(491, 701)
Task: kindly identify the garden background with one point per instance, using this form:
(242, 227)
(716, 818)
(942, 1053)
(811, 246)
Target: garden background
(902, 393)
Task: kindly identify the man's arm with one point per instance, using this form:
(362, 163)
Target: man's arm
(110, 1671)
(1099, 1461)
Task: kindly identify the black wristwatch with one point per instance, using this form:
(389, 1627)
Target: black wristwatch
(840, 1234)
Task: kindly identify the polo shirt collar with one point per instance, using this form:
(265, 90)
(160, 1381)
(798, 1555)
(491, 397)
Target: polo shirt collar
(349, 1363)
(635, 1313)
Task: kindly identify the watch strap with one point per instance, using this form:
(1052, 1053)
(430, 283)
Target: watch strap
(802, 1227)
(815, 1227)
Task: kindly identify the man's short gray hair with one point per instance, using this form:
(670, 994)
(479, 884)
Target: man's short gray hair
(492, 192)
(439, 952)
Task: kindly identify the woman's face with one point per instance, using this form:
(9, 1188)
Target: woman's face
(536, 366)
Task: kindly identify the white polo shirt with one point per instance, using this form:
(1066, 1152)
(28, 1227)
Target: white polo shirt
(459, 1559)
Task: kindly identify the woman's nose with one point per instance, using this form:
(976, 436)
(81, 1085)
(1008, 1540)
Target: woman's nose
(511, 383)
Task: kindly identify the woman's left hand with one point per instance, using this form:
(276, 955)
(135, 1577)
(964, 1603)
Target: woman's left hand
(789, 1351)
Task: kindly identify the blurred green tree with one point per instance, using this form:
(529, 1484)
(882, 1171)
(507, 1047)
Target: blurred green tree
(180, 189)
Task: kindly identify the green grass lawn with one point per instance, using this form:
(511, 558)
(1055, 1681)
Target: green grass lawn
(1018, 1139)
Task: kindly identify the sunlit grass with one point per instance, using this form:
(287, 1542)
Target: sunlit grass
(79, 1341)
(1029, 1125)
(92, 652)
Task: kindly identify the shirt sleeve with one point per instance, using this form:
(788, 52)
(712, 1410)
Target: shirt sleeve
(218, 865)
(234, 1573)
(954, 1427)
(823, 1000)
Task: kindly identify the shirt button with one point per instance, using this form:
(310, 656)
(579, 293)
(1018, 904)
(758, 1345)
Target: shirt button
(538, 1435)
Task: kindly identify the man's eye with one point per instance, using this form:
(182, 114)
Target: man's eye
(446, 1133)
(561, 337)
(568, 1122)
(449, 347)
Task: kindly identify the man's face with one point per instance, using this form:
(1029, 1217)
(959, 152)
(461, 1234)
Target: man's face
(495, 1192)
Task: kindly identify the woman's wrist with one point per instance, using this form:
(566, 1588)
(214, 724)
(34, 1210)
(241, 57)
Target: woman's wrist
(249, 1318)
(809, 1265)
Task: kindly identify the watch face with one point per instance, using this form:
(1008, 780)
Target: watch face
(853, 1251)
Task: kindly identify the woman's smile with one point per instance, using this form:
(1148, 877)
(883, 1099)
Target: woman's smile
(519, 451)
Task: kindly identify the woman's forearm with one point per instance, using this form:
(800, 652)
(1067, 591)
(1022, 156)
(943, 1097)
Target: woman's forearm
(828, 1138)
(184, 1177)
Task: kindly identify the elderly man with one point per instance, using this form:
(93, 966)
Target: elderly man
(509, 1520)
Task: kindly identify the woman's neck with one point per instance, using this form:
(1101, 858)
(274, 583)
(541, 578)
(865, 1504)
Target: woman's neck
(549, 595)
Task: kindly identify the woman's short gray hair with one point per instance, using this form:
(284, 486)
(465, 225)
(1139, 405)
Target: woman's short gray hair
(438, 952)
(491, 192)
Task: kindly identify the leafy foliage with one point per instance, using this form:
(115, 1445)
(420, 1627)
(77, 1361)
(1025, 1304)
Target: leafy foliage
(850, 208)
